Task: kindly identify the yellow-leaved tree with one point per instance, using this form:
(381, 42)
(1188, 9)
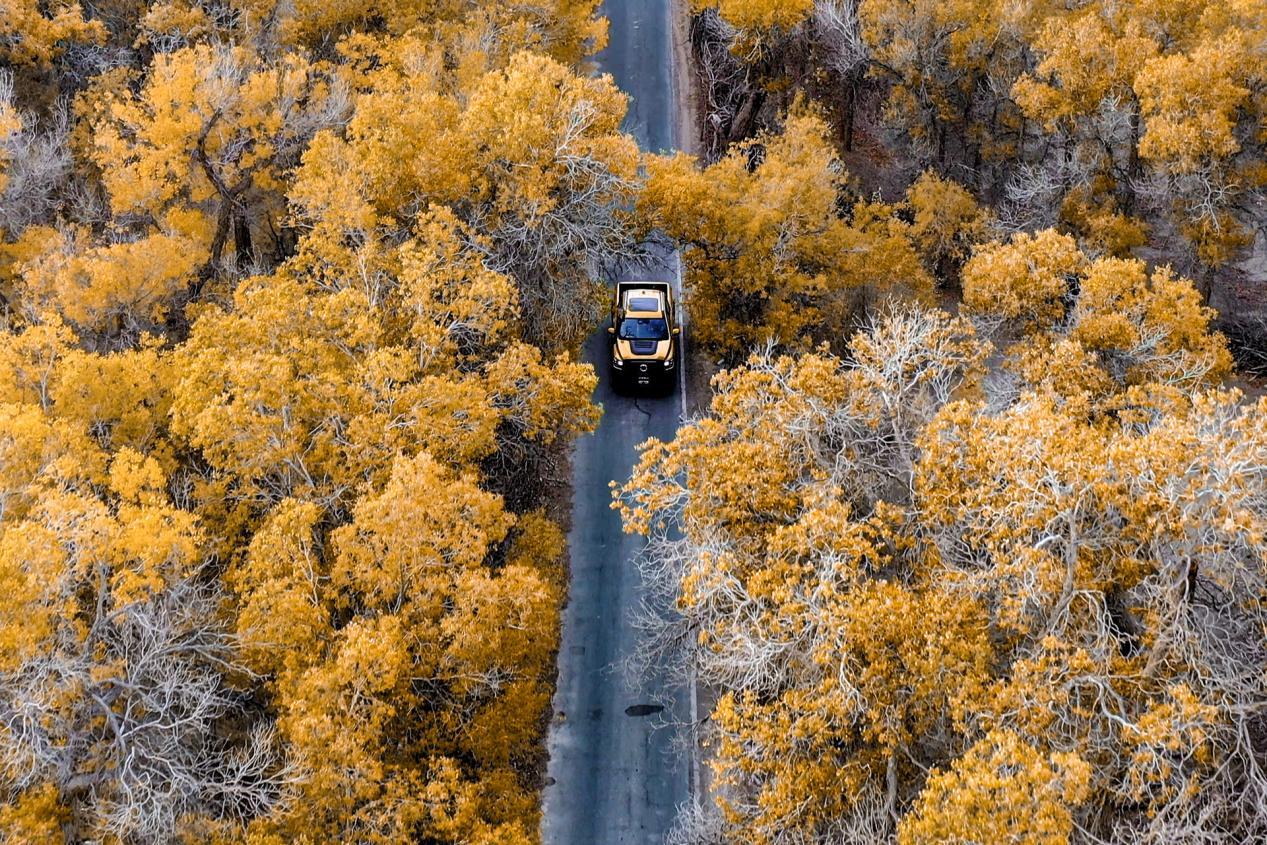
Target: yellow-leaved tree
(1154, 105)
(1130, 124)
(291, 295)
(358, 433)
(116, 672)
(36, 33)
(1109, 323)
(199, 151)
(773, 247)
(566, 30)
(940, 607)
(539, 204)
(393, 616)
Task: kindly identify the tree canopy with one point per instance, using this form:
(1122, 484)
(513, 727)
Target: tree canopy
(293, 295)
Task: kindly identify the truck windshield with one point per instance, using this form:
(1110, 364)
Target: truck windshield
(644, 328)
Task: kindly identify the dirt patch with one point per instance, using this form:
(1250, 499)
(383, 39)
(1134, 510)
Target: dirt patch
(686, 84)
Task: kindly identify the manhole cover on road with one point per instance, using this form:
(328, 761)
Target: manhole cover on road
(643, 709)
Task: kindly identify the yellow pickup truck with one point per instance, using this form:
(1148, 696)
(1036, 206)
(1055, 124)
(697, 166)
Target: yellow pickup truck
(644, 335)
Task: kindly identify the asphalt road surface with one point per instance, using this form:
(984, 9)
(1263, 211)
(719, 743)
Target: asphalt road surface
(615, 775)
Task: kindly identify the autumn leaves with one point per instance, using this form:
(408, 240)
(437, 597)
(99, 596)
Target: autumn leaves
(291, 295)
(995, 577)
(286, 383)
(940, 602)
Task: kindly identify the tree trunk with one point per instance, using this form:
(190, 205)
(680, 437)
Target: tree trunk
(745, 120)
(243, 248)
(221, 237)
(851, 105)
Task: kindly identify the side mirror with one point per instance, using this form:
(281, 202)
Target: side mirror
(677, 330)
(611, 329)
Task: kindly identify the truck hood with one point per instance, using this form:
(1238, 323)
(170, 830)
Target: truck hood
(647, 350)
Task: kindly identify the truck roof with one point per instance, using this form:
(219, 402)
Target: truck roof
(643, 302)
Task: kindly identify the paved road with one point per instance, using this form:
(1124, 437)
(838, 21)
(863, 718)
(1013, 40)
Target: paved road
(615, 778)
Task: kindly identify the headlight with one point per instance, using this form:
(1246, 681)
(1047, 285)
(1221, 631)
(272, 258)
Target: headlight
(668, 363)
(618, 363)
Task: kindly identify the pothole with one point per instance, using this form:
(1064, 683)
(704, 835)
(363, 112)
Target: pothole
(643, 709)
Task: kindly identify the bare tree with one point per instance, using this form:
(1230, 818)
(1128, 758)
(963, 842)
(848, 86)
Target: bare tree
(132, 723)
(36, 162)
(549, 249)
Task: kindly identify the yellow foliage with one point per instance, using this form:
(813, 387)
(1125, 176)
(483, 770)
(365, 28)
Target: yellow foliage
(534, 201)
(37, 453)
(363, 628)
(1122, 310)
(279, 587)
(34, 818)
(29, 361)
(1025, 280)
(301, 307)
(537, 544)
(459, 309)
(1172, 734)
(832, 656)
(179, 19)
(936, 53)
(1001, 790)
(1109, 322)
(948, 221)
(200, 148)
(1100, 226)
(122, 397)
(757, 15)
(114, 289)
(542, 400)
(1086, 58)
(768, 255)
(1190, 103)
(567, 30)
(394, 551)
(35, 33)
(1218, 239)
(1158, 89)
(886, 570)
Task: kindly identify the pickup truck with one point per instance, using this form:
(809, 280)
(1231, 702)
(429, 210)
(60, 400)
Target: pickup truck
(644, 335)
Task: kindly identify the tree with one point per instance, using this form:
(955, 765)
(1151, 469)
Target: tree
(113, 293)
(1149, 105)
(1127, 326)
(1025, 281)
(947, 223)
(114, 677)
(942, 61)
(540, 206)
(1001, 790)
(211, 126)
(34, 163)
(769, 255)
(750, 15)
(33, 33)
(278, 414)
(327, 385)
(566, 30)
(936, 610)
(1127, 124)
(783, 567)
(390, 616)
(10, 126)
